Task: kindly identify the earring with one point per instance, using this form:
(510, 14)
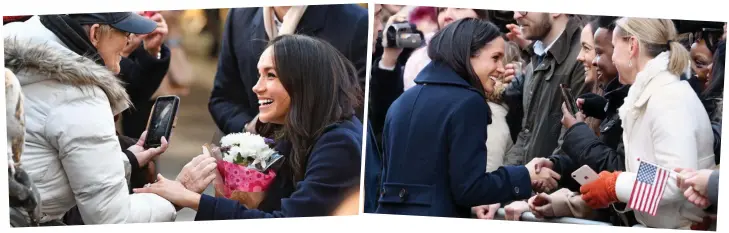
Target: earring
(630, 63)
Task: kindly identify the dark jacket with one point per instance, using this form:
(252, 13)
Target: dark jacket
(143, 74)
(542, 101)
(434, 151)
(604, 153)
(373, 171)
(333, 167)
(233, 103)
(385, 87)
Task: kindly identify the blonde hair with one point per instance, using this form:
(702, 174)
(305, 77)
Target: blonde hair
(653, 36)
(512, 53)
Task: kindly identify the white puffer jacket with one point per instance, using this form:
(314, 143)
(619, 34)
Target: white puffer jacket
(72, 153)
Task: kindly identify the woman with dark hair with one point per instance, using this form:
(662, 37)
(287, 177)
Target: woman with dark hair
(434, 163)
(308, 88)
(419, 58)
(702, 53)
(713, 95)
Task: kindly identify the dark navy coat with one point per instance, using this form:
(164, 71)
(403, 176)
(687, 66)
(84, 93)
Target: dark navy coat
(232, 102)
(332, 170)
(434, 144)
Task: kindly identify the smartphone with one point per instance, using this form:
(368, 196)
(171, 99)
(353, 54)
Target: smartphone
(585, 175)
(161, 120)
(567, 97)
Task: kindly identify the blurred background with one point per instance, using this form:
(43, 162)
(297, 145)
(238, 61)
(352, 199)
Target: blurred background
(193, 40)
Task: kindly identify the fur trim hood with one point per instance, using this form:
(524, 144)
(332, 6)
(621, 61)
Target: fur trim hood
(45, 61)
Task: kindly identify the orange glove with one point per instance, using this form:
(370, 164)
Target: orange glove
(601, 192)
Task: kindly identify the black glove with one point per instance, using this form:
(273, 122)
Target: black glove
(594, 105)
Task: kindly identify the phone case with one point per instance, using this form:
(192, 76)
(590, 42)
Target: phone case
(585, 175)
(176, 106)
(567, 97)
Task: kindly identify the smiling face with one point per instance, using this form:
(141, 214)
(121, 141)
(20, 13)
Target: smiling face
(487, 63)
(624, 49)
(273, 99)
(603, 55)
(109, 43)
(701, 59)
(449, 15)
(587, 53)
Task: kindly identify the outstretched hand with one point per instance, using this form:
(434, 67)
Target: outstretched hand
(694, 184)
(199, 172)
(173, 191)
(541, 174)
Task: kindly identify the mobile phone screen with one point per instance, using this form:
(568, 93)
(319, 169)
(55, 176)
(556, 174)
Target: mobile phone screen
(160, 125)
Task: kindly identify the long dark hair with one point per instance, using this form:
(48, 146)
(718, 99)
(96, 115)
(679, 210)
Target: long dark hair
(455, 44)
(716, 87)
(322, 85)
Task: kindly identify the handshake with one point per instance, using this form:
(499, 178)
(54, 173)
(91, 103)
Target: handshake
(543, 178)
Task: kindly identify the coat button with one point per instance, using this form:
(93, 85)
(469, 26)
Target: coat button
(516, 190)
(526, 130)
(403, 193)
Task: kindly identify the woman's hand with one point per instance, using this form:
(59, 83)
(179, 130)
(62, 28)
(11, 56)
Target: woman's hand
(568, 120)
(515, 210)
(695, 185)
(542, 176)
(173, 191)
(485, 211)
(198, 173)
(146, 155)
(153, 41)
(601, 192)
(541, 205)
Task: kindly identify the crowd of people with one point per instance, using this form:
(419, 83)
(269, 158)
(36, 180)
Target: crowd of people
(291, 73)
(474, 119)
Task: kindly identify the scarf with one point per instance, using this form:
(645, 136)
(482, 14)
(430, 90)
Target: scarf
(290, 21)
(72, 35)
(642, 80)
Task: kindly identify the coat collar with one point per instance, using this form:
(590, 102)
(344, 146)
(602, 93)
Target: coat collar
(440, 74)
(560, 50)
(313, 19)
(35, 61)
(651, 79)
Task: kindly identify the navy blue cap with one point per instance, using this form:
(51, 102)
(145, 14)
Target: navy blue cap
(123, 21)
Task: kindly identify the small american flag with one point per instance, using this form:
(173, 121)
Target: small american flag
(648, 188)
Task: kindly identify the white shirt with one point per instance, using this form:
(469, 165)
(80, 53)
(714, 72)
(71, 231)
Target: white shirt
(539, 48)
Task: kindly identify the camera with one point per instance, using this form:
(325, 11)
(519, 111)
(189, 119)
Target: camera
(402, 35)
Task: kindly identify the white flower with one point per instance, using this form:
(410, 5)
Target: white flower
(247, 145)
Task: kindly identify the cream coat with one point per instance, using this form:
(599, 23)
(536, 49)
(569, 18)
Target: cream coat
(499, 137)
(664, 123)
(72, 153)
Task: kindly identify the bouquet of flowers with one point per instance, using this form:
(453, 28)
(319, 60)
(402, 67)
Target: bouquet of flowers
(244, 164)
